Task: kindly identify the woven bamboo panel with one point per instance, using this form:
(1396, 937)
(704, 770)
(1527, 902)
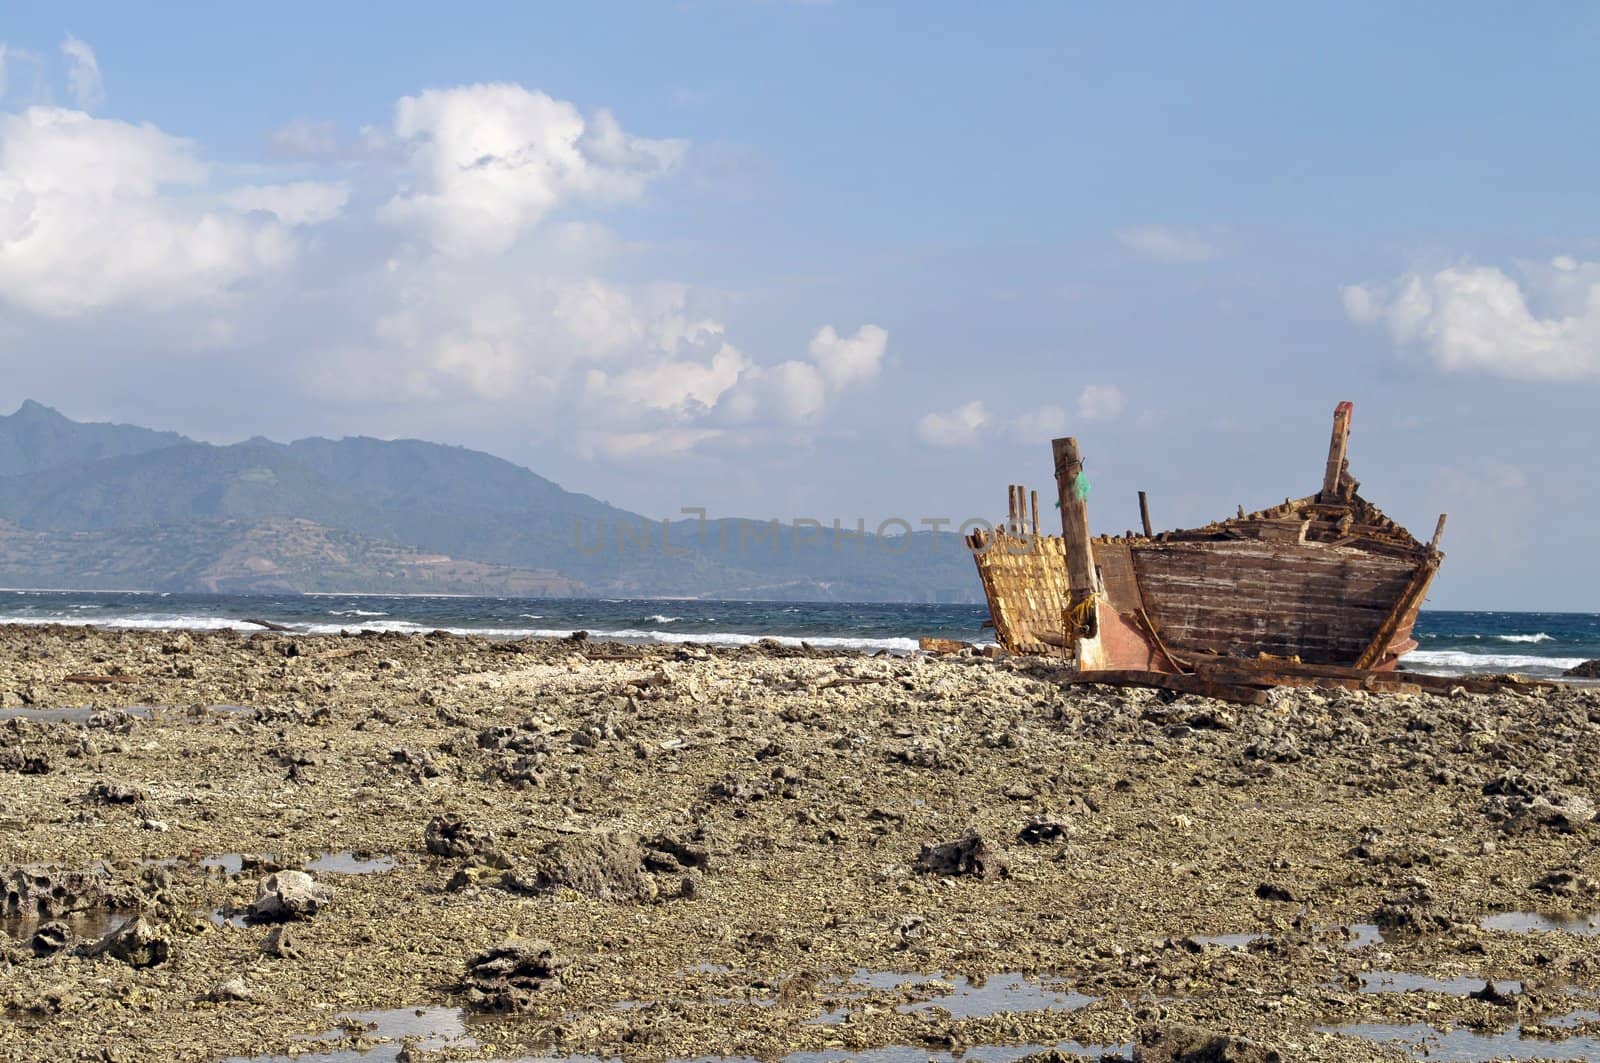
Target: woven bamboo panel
(1025, 580)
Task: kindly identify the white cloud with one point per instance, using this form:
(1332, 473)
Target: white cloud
(303, 139)
(1165, 243)
(681, 387)
(644, 446)
(1047, 422)
(1099, 402)
(96, 213)
(959, 427)
(295, 203)
(849, 360)
(83, 73)
(1545, 326)
(490, 161)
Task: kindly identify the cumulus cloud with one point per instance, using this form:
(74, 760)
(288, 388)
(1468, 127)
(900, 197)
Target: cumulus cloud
(1099, 402)
(960, 427)
(83, 73)
(295, 203)
(489, 161)
(1165, 243)
(89, 218)
(1542, 325)
(848, 360)
(683, 387)
(478, 287)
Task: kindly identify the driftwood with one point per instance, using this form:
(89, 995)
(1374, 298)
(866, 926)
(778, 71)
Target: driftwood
(935, 645)
(1276, 672)
(99, 680)
(1238, 694)
(268, 624)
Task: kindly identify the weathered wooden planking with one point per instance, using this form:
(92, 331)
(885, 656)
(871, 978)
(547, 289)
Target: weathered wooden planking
(1286, 599)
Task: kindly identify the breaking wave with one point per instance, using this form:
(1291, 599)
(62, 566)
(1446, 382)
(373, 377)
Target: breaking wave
(1460, 660)
(1540, 637)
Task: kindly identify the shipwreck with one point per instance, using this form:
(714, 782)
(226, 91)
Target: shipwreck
(1320, 590)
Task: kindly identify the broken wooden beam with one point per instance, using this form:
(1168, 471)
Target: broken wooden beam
(1336, 452)
(268, 624)
(1075, 536)
(99, 680)
(1237, 694)
(929, 644)
(1144, 514)
(1438, 533)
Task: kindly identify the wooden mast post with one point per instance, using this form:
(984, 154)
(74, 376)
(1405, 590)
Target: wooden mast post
(1336, 453)
(1081, 619)
(1144, 515)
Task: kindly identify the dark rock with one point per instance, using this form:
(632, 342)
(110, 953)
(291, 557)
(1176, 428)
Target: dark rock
(448, 834)
(1269, 891)
(282, 942)
(1190, 1044)
(137, 943)
(1586, 670)
(33, 890)
(1039, 830)
(606, 865)
(1566, 884)
(114, 793)
(969, 855)
(508, 977)
(1412, 912)
(50, 938)
(25, 763)
(1490, 995)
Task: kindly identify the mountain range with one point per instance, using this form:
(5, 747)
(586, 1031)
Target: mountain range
(110, 506)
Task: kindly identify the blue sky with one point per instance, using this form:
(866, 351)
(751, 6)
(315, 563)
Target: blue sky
(840, 259)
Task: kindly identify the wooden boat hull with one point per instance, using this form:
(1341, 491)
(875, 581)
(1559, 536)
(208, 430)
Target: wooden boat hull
(1325, 580)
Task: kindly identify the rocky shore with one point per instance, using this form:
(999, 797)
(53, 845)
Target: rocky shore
(215, 846)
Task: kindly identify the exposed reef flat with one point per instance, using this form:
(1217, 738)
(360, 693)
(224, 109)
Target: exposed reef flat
(442, 847)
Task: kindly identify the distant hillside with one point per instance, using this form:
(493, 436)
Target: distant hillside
(89, 505)
(37, 437)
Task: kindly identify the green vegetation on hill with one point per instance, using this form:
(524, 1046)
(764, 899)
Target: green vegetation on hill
(93, 505)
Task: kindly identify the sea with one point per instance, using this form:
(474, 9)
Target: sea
(1538, 645)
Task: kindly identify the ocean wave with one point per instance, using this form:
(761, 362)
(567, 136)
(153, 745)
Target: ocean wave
(531, 616)
(659, 619)
(1540, 637)
(1457, 660)
(355, 612)
(170, 622)
(628, 634)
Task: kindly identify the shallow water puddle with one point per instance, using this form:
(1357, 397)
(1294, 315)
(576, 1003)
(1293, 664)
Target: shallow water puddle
(1363, 934)
(78, 714)
(92, 924)
(1468, 1046)
(350, 863)
(963, 998)
(1230, 941)
(1527, 922)
(429, 1029)
(1403, 982)
(980, 1053)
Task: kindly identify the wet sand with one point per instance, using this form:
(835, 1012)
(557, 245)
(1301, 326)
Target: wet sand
(735, 852)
